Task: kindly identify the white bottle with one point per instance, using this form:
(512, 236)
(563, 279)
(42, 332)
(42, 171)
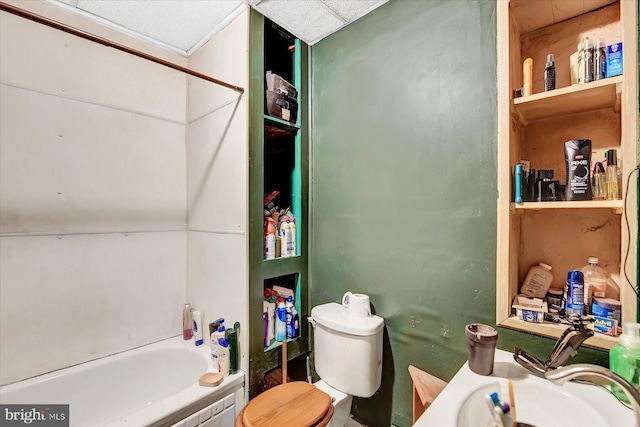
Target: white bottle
(538, 281)
(270, 307)
(197, 327)
(596, 277)
(215, 347)
(285, 231)
(291, 237)
(224, 358)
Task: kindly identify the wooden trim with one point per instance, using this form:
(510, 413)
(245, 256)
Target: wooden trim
(503, 302)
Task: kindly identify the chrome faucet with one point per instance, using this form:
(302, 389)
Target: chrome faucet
(566, 373)
(566, 347)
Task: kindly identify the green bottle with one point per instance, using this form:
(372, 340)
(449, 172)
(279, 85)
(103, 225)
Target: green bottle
(624, 358)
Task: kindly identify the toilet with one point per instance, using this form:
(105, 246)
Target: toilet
(348, 359)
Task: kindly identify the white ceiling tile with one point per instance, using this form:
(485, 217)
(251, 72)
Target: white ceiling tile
(352, 10)
(179, 23)
(309, 20)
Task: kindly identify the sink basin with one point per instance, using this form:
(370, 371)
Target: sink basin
(539, 402)
(540, 405)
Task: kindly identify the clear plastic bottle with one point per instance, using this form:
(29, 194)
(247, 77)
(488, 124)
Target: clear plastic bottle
(595, 277)
(624, 358)
(187, 322)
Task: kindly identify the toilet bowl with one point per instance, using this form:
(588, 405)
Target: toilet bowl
(341, 404)
(348, 359)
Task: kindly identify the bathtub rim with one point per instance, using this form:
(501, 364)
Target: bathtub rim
(164, 411)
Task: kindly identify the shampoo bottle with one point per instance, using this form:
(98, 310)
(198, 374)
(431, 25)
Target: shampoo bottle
(197, 327)
(624, 358)
(224, 356)
(281, 322)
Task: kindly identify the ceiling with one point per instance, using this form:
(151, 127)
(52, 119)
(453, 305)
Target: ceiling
(184, 25)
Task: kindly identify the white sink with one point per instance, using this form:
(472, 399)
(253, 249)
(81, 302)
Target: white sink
(539, 403)
(536, 404)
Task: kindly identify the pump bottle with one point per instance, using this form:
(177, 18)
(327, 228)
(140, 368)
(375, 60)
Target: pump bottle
(624, 358)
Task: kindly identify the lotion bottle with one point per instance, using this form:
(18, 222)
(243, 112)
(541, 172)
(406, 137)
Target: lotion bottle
(538, 281)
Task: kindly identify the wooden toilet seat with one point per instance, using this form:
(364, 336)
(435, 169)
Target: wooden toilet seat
(295, 404)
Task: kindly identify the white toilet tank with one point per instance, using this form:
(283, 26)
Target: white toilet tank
(347, 350)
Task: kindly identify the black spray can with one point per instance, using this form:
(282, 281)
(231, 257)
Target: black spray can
(577, 158)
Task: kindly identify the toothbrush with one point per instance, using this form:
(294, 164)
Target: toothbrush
(490, 405)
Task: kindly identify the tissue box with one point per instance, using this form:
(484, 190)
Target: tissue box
(614, 59)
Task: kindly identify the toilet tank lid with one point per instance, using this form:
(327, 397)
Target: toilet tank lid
(333, 316)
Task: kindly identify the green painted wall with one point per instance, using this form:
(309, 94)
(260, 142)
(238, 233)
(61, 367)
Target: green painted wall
(404, 185)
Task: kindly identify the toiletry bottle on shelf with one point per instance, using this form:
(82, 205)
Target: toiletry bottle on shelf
(527, 77)
(538, 281)
(575, 293)
(596, 277)
(580, 63)
(601, 59)
(232, 336)
(577, 158)
(285, 230)
(624, 358)
(599, 189)
(269, 240)
(289, 322)
(187, 322)
(588, 58)
(291, 237)
(281, 322)
(612, 175)
(197, 327)
(550, 74)
(517, 185)
(224, 357)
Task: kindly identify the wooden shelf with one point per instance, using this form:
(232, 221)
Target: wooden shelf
(276, 344)
(279, 123)
(281, 266)
(569, 100)
(535, 14)
(615, 205)
(555, 330)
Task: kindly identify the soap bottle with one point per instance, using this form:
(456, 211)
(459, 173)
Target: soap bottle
(187, 322)
(197, 327)
(538, 281)
(624, 358)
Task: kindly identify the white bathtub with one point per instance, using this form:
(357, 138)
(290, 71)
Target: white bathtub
(154, 385)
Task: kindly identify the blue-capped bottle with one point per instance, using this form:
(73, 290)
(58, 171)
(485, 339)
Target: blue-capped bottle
(281, 322)
(575, 293)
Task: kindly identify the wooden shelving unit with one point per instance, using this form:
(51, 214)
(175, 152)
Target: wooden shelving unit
(278, 156)
(535, 128)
